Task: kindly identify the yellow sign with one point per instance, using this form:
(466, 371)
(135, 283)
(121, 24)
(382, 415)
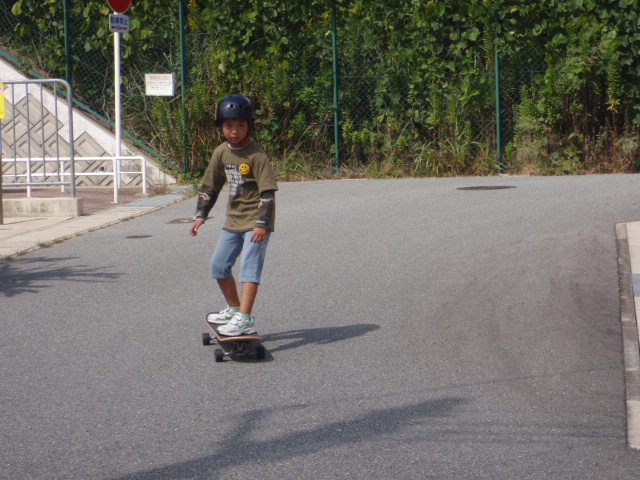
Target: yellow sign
(2, 113)
(244, 169)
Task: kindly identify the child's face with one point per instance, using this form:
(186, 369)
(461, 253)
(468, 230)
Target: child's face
(235, 130)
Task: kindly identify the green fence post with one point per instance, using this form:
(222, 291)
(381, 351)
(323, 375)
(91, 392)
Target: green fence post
(336, 105)
(183, 95)
(498, 106)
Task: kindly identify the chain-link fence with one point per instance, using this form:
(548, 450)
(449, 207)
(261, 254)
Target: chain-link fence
(443, 97)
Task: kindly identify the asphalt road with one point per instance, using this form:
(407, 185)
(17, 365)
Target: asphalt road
(414, 330)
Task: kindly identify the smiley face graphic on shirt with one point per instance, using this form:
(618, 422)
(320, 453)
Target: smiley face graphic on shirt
(244, 169)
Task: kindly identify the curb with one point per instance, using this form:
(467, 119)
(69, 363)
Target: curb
(30, 240)
(630, 342)
(74, 227)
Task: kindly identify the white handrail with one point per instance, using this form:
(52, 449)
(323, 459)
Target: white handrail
(116, 173)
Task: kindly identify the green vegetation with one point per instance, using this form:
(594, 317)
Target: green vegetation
(417, 80)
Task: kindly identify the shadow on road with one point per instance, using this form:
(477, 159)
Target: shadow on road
(377, 424)
(35, 274)
(319, 336)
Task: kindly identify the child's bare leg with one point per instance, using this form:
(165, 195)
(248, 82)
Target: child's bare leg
(249, 293)
(230, 291)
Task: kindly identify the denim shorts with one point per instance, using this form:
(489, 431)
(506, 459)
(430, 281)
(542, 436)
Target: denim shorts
(230, 245)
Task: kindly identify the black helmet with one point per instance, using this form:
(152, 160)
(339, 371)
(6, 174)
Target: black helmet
(234, 106)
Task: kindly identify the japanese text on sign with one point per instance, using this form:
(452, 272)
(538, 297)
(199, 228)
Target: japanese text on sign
(159, 84)
(119, 23)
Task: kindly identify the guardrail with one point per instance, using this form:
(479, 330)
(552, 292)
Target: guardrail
(33, 116)
(62, 172)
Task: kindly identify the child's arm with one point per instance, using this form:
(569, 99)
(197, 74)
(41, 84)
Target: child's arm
(265, 213)
(206, 201)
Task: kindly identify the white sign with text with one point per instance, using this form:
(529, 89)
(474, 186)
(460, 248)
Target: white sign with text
(159, 84)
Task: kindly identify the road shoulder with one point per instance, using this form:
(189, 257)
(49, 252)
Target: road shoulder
(628, 244)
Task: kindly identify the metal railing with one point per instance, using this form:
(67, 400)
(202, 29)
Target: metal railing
(30, 116)
(25, 131)
(61, 172)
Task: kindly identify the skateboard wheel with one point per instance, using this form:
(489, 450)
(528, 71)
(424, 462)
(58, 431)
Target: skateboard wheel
(218, 355)
(261, 352)
(206, 339)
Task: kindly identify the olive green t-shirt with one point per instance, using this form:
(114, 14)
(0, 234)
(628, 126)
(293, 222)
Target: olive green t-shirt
(248, 173)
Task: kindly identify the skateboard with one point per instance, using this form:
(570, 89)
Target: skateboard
(233, 346)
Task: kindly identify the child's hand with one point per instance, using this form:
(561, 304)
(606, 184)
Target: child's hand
(258, 235)
(195, 226)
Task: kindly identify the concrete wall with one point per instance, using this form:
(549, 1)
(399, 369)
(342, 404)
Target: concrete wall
(42, 207)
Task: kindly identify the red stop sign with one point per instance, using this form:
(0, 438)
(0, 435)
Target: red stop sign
(119, 6)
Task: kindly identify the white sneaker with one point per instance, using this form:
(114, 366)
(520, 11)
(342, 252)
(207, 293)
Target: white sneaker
(239, 325)
(223, 317)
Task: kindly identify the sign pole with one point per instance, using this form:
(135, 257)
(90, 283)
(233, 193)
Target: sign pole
(117, 23)
(116, 164)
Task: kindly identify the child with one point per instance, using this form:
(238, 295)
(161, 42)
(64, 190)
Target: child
(241, 163)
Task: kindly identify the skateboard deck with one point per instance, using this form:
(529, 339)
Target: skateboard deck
(233, 346)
